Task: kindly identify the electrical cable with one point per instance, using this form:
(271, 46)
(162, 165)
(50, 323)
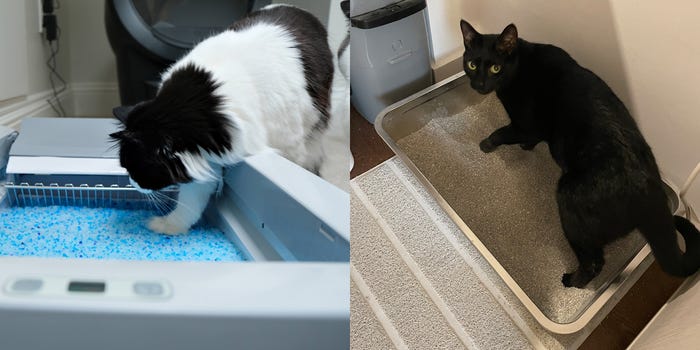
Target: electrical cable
(54, 75)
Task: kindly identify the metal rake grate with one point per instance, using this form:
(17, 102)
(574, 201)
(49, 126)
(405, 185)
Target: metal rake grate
(84, 195)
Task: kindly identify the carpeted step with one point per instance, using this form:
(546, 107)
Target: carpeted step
(401, 240)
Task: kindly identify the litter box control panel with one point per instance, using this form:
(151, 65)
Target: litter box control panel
(76, 287)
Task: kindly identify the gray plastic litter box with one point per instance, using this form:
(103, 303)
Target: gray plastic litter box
(293, 228)
(389, 56)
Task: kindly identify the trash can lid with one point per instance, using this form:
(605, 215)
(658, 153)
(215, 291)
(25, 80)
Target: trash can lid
(387, 14)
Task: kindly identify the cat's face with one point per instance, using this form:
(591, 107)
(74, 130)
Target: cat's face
(146, 152)
(489, 60)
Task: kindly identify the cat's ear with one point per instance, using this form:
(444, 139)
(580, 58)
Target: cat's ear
(469, 34)
(117, 136)
(122, 112)
(122, 135)
(508, 40)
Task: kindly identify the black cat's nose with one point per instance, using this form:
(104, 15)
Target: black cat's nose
(480, 86)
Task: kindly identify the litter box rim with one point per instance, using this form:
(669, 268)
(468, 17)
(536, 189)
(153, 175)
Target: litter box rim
(616, 287)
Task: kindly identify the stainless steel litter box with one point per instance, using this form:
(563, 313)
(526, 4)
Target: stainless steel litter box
(448, 99)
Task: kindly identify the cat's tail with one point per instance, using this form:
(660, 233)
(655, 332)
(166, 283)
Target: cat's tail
(691, 235)
(661, 235)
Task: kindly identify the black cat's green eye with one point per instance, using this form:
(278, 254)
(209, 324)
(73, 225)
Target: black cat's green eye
(471, 65)
(495, 69)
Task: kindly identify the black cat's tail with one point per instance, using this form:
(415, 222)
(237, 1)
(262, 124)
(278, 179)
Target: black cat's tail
(661, 235)
(691, 235)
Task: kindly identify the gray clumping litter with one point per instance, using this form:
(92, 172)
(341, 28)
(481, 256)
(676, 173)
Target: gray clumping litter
(507, 198)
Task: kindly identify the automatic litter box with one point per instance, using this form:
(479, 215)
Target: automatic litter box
(288, 288)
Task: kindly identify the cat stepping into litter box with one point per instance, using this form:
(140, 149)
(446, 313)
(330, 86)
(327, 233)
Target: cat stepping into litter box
(263, 84)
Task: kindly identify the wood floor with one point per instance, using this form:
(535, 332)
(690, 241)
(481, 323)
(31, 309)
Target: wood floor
(623, 323)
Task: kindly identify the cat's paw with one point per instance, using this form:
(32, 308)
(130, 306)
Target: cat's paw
(528, 146)
(487, 146)
(161, 224)
(573, 280)
(566, 280)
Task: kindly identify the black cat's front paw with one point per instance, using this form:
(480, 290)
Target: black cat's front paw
(487, 146)
(528, 146)
(566, 280)
(574, 280)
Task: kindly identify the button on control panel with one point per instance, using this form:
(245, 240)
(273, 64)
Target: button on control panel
(148, 288)
(26, 285)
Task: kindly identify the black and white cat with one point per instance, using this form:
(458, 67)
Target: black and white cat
(265, 83)
(610, 182)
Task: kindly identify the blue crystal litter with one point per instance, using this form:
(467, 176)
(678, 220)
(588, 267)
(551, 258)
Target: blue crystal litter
(105, 233)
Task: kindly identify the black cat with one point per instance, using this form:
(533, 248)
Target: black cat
(610, 182)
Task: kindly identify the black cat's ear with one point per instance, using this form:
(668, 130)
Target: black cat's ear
(116, 136)
(122, 112)
(469, 34)
(508, 40)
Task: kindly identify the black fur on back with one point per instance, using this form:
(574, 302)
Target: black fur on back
(183, 117)
(610, 182)
(312, 42)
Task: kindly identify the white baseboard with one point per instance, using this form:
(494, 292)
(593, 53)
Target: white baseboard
(78, 100)
(33, 105)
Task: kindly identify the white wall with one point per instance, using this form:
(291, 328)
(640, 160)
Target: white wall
(92, 67)
(646, 51)
(338, 25)
(28, 79)
(13, 62)
(662, 61)
(85, 61)
(91, 58)
(20, 37)
(444, 33)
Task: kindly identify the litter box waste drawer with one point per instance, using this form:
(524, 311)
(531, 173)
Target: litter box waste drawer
(504, 201)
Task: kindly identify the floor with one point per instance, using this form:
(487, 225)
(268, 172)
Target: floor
(628, 317)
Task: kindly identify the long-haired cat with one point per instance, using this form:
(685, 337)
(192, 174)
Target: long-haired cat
(265, 83)
(610, 182)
